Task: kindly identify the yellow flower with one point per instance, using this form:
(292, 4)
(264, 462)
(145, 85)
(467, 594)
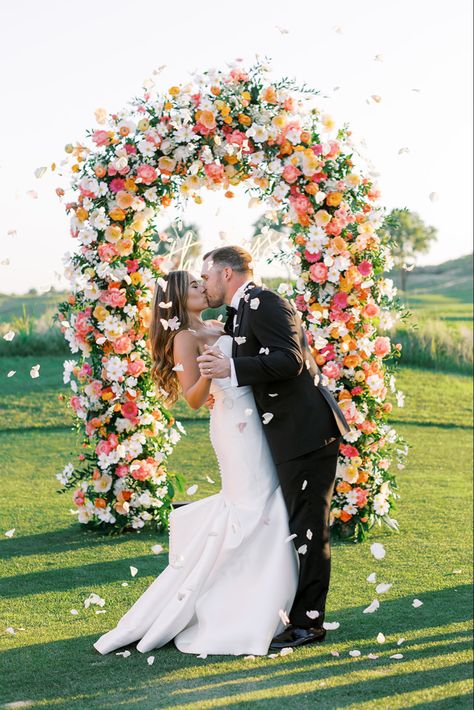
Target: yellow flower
(135, 278)
(353, 180)
(174, 91)
(328, 122)
(100, 313)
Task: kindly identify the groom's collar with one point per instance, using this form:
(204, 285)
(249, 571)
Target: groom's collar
(239, 293)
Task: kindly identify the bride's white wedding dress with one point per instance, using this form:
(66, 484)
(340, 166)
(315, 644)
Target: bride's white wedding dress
(231, 569)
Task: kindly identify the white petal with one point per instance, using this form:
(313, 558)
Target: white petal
(273, 655)
(400, 641)
(267, 417)
(133, 571)
(202, 655)
(397, 655)
(309, 534)
(336, 654)
(254, 303)
(156, 549)
(124, 584)
(285, 651)
(372, 607)
(377, 550)
(178, 367)
(192, 489)
(9, 336)
(248, 412)
(74, 612)
(249, 658)
(302, 550)
(9, 533)
(416, 603)
(382, 588)
(380, 638)
(125, 654)
(11, 373)
(331, 625)
(434, 197)
(291, 537)
(312, 614)
(39, 172)
(305, 483)
(10, 630)
(209, 479)
(283, 616)
(372, 656)
(150, 660)
(240, 339)
(372, 578)
(354, 654)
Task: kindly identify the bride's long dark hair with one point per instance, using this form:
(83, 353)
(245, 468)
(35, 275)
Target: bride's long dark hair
(161, 338)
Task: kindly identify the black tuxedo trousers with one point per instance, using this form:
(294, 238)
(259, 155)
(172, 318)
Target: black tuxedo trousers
(307, 484)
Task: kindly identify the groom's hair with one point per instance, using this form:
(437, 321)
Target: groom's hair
(234, 256)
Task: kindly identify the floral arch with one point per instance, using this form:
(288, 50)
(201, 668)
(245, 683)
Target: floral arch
(218, 131)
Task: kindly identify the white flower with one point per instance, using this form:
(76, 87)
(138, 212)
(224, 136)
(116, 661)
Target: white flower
(68, 366)
(351, 509)
(116, 368)
(381, 505)
(147, 148)
(103, 484)
(65, 474)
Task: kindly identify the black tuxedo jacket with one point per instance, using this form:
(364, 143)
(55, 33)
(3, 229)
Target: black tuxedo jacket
(271, 353)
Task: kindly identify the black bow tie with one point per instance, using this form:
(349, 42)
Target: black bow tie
(229, 324)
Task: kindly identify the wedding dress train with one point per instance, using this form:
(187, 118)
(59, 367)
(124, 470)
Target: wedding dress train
(231, 568)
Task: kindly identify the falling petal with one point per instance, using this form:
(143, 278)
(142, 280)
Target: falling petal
(403, 150)
(159, 69)
(150, 660)
(12, 233)
(312, 614)
(416, 603)
(284, 616)
(74, 612)
(302, 550)
(309, 534)
(338, 29)
(418, 90)
(408, 267)
(376, 98)
(33, 194)
(274, 394)
(305, 483)
(273, 655)
(156, 549)
(354, 654)
(254, 303)
(124, 584)
(10, 533)
(372, 607)
(377, 550)
(267, 417)
(241, 426)
(291, 537)
(264, 351)
(34, 372)
(39, 172)
(248, 412)
(282, 30)
(9, 335)
(178, 367)
(434, 197)
(382, 588)
(133, 571)
(166, 305)
(125, 654)
(240, 339)
(397, 656)
(372, 578)
(11, 373)
(192, 489)
(380, 638)
(331, 625)
(378, 58)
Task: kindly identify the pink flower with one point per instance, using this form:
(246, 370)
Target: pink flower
(106, 252)
(331, 370)
(370, 310)
(147, 173)
(349, 451)
(113, 297)
(290, 174)
(357, 390)
(312, 258)
(318, 272)
(103, 447)
(101, 137)
(236, 137)
(116, 184)
(301, 304)
(129, 410)
(82, 325)
(340, 300)
(382, 346)
(362, 496)
(141, 470)
(78, 497)
(214, 171)
(136, 367)
(365, 267)
(121, 471)
(301, 204)
(122, 345)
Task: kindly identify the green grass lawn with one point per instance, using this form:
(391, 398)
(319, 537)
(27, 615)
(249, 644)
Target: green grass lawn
(51, 565)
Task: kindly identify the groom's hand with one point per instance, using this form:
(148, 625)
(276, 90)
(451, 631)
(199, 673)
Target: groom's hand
(213, 363)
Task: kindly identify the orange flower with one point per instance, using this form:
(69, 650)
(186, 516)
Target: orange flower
(117, 214)
(244, 119)
(345, 517)
(124, 199)
(343, 487)
(351, 360)
(334, 199)
(269, 95)
(100, 503)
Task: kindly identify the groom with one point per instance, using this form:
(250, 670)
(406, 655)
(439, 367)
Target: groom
(302, 421)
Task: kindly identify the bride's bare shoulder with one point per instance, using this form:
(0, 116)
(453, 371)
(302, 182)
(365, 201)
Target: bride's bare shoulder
(186, 339)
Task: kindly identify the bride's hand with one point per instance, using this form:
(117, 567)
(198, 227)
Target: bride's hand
(213, 350)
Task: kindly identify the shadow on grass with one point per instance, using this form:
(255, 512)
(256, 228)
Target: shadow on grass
(431, 425)
(67, 539)
(69, 673)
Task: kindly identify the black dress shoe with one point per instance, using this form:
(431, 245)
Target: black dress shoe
(298, 636)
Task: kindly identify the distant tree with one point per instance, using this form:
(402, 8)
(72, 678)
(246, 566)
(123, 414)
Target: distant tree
(410, 237)
(32, 292)
(181, 242)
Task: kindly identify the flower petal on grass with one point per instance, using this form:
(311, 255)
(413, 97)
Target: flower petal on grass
(331, 625)
(416, 603)
(150, 660)
(397, 656)
(354, 653)
(133, 571)
(312, 614)
(10, 533)
(372, 607)
(382, 588)
(192, 489)
(377, 550)
(156, 549)
(380, 638)
(285, 651)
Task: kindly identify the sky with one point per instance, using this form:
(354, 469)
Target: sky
(61, 61)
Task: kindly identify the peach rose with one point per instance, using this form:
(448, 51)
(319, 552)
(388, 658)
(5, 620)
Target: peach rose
(290, 174)
(129, 410)
(123, 345)
(318, 272)
(136, 367)
(370, 310)
(382, 346)
(147, 174)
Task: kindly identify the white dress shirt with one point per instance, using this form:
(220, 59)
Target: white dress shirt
(235, 304)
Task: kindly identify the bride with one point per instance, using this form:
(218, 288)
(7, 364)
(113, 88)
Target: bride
(232, 574)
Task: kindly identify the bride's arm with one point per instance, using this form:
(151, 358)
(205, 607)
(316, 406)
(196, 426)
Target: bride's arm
(195, 387)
